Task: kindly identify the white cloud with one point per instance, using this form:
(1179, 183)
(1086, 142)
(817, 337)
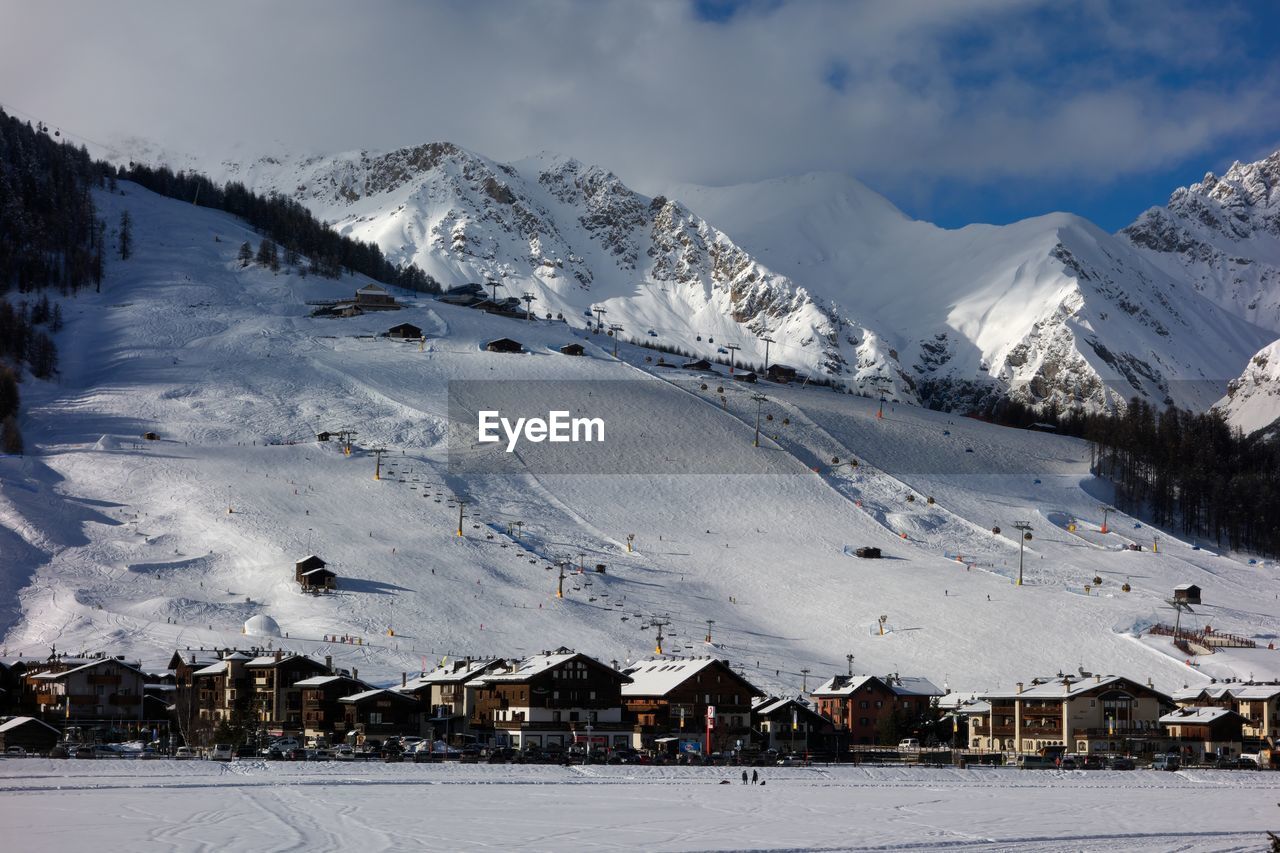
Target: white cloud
(931, 91)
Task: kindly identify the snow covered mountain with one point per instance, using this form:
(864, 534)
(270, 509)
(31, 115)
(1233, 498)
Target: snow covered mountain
(1253, 400)
(1046, 309)
(1223, 236)
(576, 238)
(1049, 309)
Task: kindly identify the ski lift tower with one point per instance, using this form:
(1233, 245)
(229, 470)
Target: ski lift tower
(1024, 533)
(760, 399)
(377, 464)
(1179, 606)
(614, 329)
(460, 501)
(659, 622)
(1107, 509)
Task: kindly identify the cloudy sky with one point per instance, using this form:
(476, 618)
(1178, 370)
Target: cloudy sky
(981, 110)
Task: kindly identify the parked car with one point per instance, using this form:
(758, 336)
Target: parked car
(221, 752)
(1120, 762)
(150, 754)
(245, 752)
(320, 754)
(184, 753)
(1168, 761)
(1226, 762)
(1034, 762)
(295, 754)
(15, 752)
(344, 753)
(906, 744)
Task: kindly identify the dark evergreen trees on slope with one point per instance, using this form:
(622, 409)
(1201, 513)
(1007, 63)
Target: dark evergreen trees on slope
(287, 223)
(126, 235)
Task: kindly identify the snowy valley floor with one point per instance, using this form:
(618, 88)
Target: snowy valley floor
(177, 806)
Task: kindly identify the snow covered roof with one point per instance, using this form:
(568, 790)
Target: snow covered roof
(213, 669)
(1196, 715)
(1254, 691)
(318, 571)
(457, 672)
(270, 660)
(659, 676)
(321, 680)
(902, 685)
(1058, 688)
(16, 722)
(58, 676)
(533, 666)
(770, 704)
(372, 288)
(369, 694)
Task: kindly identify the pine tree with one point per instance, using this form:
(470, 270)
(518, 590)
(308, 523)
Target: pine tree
(126, 235)
(9, 397)
(246, 254)
(10, 436)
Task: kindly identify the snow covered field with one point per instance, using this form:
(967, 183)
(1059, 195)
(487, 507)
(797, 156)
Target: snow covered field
(194, 806)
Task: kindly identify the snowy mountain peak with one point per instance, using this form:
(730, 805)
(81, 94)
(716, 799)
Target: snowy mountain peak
(1223, 235)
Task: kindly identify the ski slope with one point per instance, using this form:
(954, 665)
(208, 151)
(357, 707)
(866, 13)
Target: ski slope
(123, 545)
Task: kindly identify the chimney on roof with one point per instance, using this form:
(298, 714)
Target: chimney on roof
(328, 663)
(355, 673)
(279, 654)
(1097, 679)
(404, 679)
(1019, 686)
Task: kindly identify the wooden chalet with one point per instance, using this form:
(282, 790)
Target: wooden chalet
(311, 574)
(573, 349)
(404, 331)
(1186, 593)
(746, 376)
(275, 699)
(698, 364)
(1205, 733)
(28, 733)
(781, 373)
(552, 701)
(375, 297)
(669, 700)
(790, 724)
(323, 714)
(448, 698)
(381, 713)
(506, 345)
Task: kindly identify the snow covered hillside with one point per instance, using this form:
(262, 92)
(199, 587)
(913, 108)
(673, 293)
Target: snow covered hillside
(118, 544)
(576, 237)
(1253, 400)
(848, 287)
(1047, 309)
(1223, 236)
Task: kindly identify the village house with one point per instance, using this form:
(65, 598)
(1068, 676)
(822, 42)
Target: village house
(868, 708)
(669, 701)
(1204, 733)
(374, 297)
(446, 698)
(312, 576)
(404, 331)
(506, 345)
(220, 692)
(1093, 713)
(573, 349)
(790, 724)
(103, 689)
(323, 715)
(380, 714)
(1259, 704)
(28, 734)
(781, 373)
(552, 701)
(275, 699)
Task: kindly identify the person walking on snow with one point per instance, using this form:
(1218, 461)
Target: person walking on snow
(744, 777)
(755, 777)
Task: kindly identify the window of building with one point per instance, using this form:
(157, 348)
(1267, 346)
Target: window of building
(375, 718)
